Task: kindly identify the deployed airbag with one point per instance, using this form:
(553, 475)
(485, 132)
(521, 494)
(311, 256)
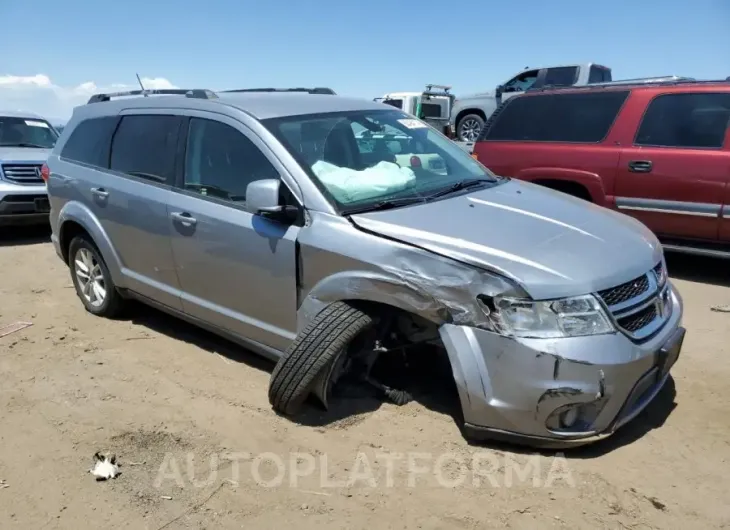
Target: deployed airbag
(349, 185)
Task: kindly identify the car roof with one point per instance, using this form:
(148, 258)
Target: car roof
(260, 105)
(276, 105)
(20, 114)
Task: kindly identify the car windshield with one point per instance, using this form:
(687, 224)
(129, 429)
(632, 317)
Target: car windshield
(365, 159)
(26, 132)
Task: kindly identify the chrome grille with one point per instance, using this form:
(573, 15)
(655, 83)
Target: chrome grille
(625, 291)
(642, 306)
(23, 173)
(638, 320)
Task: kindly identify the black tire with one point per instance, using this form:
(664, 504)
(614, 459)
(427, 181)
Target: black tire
(464, 119)
(320, 343)
(113, 302)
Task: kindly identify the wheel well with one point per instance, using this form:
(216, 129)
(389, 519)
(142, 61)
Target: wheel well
(69, 230)
(567, 186)
(410, 326)
(464, 112)
(415, 359)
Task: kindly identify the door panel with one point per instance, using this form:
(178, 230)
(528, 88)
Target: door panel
(237, 270)
(131, 201)
(134, 215)
(675, 192)
(674, 176)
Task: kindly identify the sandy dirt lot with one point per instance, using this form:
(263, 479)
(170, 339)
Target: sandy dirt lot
(174, 402)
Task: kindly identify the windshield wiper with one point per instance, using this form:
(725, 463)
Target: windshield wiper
(461, 185)
(26, 144)
(384, 205)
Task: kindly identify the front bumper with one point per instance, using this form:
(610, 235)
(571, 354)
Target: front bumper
(23, 204)
(513, 389)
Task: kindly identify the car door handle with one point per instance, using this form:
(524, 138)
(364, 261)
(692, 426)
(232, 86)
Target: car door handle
(184, 218)
(640, 166)
(100, 192)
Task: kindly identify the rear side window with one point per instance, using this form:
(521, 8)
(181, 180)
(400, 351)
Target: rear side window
(144, 146)
(562, 76)
(89, 142)
(686, 120)
(576, 118)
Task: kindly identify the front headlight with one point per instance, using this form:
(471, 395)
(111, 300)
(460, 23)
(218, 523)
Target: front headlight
(568, 317)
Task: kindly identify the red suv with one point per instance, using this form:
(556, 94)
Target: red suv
(659, 152)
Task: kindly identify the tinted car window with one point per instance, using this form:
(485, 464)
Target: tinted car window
(685, 120)
(144, 146)
(220, 161)
(89, 142)
(563, 76)
(599, 75)
(578, 118)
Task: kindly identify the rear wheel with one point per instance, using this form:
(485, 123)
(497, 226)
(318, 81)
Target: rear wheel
(469, 127)
(320, 346)
(91, 278)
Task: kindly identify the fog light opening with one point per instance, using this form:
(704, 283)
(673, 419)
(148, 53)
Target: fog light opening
(569, 417)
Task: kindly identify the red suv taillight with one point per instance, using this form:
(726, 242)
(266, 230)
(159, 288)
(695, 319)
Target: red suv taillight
(45, 173)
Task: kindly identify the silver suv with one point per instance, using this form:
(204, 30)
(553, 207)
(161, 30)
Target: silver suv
(324, 232)
(25, 142)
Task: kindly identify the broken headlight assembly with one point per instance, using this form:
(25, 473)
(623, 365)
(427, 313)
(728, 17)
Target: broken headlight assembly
(576, 316)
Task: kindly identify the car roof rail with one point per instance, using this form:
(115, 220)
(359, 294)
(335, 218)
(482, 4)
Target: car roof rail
(634, 83)
(197, 93)
(315, 90)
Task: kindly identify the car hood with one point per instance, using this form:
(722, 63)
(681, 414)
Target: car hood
(23, 154)
(553, 245)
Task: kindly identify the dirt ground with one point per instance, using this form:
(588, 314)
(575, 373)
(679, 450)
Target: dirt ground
(174, 402)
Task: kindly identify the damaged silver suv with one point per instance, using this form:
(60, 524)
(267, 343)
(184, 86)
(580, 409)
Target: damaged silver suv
(324, 232)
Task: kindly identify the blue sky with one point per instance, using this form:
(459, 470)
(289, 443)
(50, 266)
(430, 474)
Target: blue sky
(359, 48)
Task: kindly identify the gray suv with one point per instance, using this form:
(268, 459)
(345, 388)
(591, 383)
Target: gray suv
(324, 232)
(25, 142)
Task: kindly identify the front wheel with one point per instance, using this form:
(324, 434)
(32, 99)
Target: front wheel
(91, 278)
(469, 127)
(317, 348)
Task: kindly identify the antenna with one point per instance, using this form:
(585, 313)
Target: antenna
(144, 91)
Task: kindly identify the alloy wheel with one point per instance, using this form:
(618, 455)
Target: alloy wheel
(90, 277)
(470, 130)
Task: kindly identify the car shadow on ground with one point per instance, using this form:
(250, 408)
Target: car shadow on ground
(424, 373)
(15, 236)
(176, 328)
(652, 417)
(426, 378)
(700, 269)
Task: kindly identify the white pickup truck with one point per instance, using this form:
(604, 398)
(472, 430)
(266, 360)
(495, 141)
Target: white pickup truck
(463, 118)
(470, 112)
